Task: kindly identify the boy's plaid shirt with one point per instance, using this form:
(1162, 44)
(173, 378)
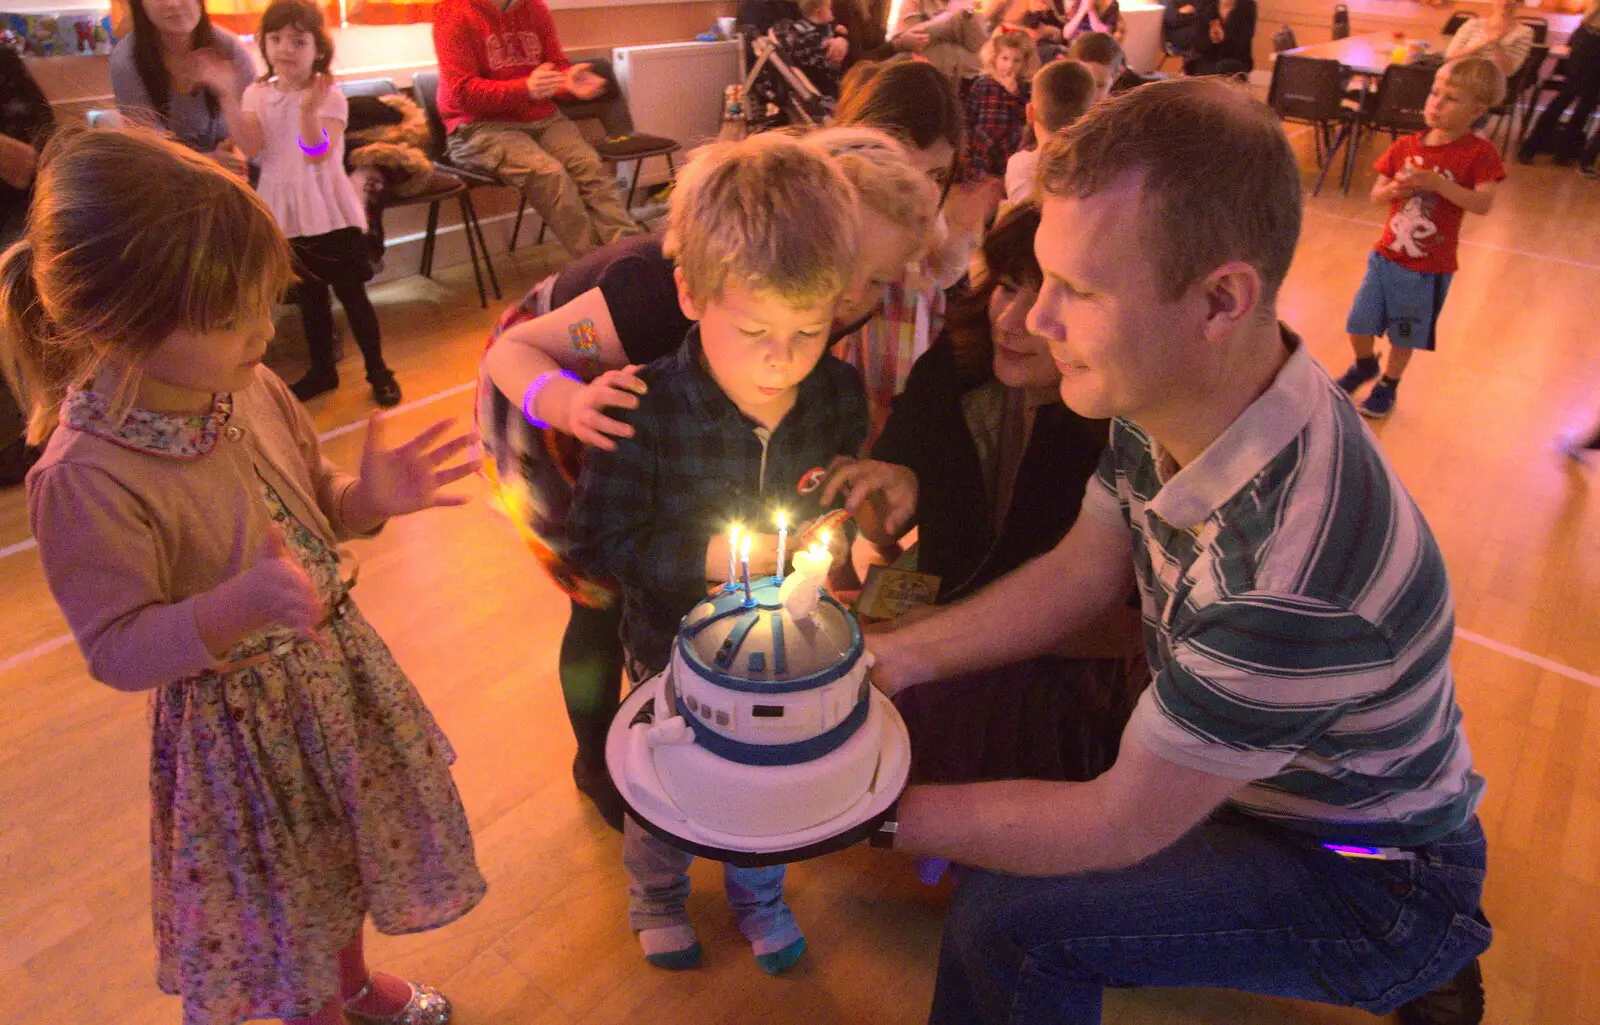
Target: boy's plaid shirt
(646, 513)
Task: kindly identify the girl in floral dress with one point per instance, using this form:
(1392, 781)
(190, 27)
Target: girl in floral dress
(187, 524)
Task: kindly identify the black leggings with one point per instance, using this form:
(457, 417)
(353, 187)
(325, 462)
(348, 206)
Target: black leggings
(591, 677)
(336, 261)
(316, 313)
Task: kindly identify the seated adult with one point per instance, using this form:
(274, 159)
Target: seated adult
(1297, 618)
(1577, 97)
(176, 70)
(501, 69)
(598, 320)
(946, 33)
(1096, 16)
(1180, 25)
(26, 121)
(1223, 44)
(1498, 37)
(1001, 465)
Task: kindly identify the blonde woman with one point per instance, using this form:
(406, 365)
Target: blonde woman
(1498, 37)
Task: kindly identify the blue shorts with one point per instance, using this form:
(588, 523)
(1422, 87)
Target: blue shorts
(1403, 304)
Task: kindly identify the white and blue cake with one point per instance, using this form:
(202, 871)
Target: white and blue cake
(764, 726)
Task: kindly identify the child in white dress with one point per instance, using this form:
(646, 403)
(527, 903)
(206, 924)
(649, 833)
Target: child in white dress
(294, 120)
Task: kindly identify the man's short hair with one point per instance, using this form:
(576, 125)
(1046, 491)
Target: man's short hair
(1218, 181)
(1062, 91)
(810, 7)
(1479, 78)
(1096, 48)
(769, 214)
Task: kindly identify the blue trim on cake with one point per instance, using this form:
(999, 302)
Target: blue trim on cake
(780, 661)
(797, 753)
(728, 604)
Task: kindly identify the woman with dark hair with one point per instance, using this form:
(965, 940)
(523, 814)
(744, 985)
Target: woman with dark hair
(172, 71)
(918, 103)
(1223, 44)
(1001, 466)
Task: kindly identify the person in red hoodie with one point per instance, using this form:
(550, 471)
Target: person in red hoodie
(501, 68)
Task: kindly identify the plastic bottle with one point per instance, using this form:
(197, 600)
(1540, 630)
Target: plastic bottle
(1400, 54)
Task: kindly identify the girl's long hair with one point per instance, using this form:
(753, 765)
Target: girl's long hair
(130, 237)
(153, 70)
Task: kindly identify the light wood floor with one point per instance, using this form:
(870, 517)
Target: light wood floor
(476, 624)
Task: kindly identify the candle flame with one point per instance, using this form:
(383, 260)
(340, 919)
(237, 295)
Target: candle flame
(744, 548)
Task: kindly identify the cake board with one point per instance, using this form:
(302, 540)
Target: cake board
(663, 822)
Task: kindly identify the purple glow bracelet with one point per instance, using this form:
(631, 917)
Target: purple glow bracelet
(317, 150)
(531, 396)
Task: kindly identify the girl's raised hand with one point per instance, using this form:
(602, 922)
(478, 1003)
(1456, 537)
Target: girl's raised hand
(314, 95)
(587, 422)
(407, 479)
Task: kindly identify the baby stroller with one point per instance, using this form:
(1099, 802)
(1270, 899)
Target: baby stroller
(776, 93)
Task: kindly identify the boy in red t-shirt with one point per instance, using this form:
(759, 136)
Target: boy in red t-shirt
(1429, 181)
(501, 69)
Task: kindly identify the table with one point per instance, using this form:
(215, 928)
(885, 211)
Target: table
(1370, 53)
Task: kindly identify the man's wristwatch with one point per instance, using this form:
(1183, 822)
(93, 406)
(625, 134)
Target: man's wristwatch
(883, 837)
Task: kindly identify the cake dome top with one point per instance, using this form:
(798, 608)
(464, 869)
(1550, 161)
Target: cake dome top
(761, 648)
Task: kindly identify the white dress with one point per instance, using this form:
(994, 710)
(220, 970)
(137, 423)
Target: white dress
(307, 198)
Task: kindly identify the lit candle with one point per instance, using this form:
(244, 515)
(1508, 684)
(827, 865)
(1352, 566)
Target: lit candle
(733, 553)
(744, 568)
(783, 543)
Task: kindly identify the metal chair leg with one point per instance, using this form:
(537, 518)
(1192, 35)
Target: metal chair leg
(633, 183)
(516, 226)
(429, 238)
(1317, 188)
(488, 264)
(467, 220)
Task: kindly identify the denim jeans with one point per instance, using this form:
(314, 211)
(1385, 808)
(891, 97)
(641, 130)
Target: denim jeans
(1238, 903)
(658, 889)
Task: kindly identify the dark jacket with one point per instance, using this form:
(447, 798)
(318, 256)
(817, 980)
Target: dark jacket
(956, 540)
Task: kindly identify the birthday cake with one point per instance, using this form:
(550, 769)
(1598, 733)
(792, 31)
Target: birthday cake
(764, 725)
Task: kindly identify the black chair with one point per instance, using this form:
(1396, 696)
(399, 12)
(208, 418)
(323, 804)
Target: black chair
(1453, 24)
(425, 84)
(446, 187)
(1341, 21)
(1507, 112)
(1310, 91)
(1396, 107)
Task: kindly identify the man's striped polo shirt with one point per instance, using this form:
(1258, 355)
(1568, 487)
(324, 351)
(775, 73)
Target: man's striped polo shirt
(1297, 618)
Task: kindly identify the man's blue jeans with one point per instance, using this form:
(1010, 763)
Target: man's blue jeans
(1238, 903)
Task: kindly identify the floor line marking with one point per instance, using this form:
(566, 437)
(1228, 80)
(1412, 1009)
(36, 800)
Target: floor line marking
(1466, 242)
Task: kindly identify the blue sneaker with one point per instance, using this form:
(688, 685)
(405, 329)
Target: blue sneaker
(1360, 372)
(1380, 401)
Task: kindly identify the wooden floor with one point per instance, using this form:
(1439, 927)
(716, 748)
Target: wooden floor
(476, 624)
